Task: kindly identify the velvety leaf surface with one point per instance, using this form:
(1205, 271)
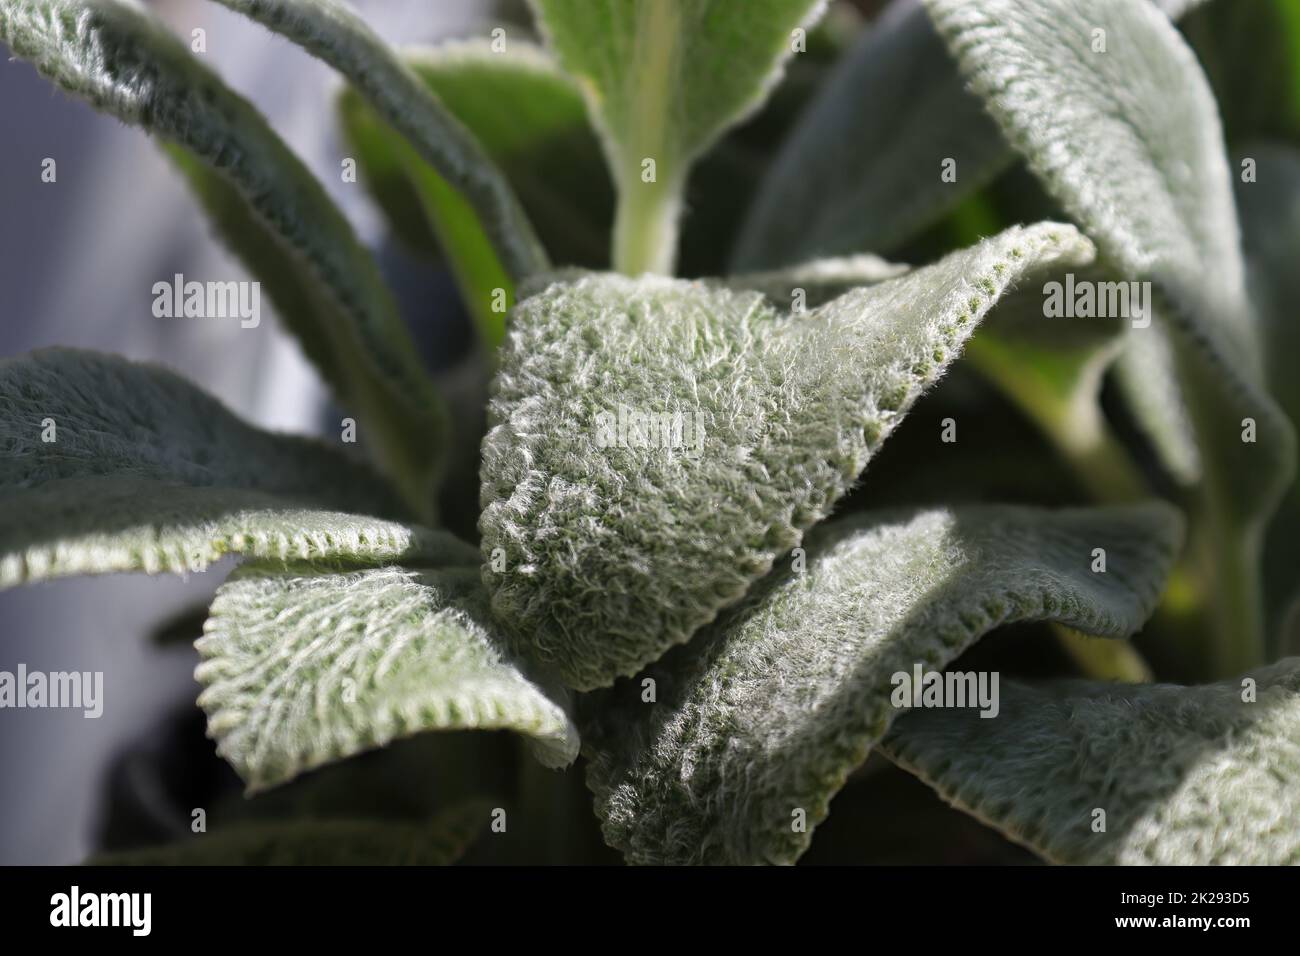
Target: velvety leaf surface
(662, 82)
(125, 63)
(1185, 775)
(147, 473)
(861, 171)
(100, 526)
(768, 711)
(1051, 367)
(1171, 209)
(608, 549)
(333, 32)
(304, 665)
(1138, 160)
(819, 279)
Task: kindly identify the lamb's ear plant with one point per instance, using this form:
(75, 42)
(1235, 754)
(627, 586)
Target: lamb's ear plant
(691, 576)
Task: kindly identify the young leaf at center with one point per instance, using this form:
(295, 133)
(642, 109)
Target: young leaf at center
(604, 545)
(663, 80)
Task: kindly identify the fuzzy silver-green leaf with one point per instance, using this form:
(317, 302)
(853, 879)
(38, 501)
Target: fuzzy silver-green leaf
(126, 64)
(1138, 160)
(110, 465)
(767, 712)
(333, 32)
(1185, 775)
(600, 558)
(863, 168)
(305, 665)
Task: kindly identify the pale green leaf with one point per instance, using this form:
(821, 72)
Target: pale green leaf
(1185, 775)
(662, 82)
(600, 558)
(105, 525)
(439, 842)
(1170, 211)
(1138, 160)
(124, 63)
(766, 713)
(144, 472)
(333, 32)
(302, 666)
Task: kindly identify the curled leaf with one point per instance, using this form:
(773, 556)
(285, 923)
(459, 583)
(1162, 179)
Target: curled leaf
(759, 721)
(611, 533)
(1140, 163)
(302, 666)
(333, 32)
(125, 63)
(109, 465)
(1112, 773)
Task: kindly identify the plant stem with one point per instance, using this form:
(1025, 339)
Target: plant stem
(650, 173)
(1070, 418)
(645, 227)
(1226, 558)
(1104, 659)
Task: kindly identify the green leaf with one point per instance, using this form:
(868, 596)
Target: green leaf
(530, 118)
(1146, 375)
(600, 558)
(1145, 175)
(1251, 55)
(767, 712)
(1270, 220)
(107, 525)
(862, 169)
(439, 842)
(109, 465)
(334, 33)
(662, 82)
(1052, 368)
(124, 63)
(1185, 775)
(302, 666)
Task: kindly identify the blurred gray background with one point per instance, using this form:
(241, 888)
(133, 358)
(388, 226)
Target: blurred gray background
(78, 259)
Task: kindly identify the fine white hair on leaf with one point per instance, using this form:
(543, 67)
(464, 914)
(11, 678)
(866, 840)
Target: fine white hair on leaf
(769, 709)
(607, 556)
